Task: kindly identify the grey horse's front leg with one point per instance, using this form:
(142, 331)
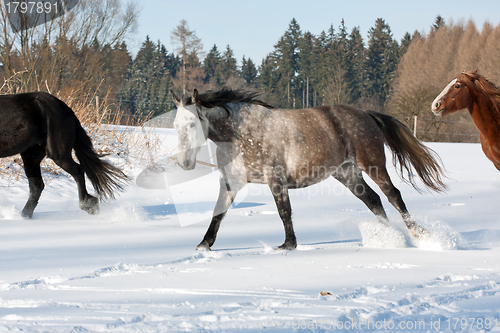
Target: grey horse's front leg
(226, 198)
(280, 194)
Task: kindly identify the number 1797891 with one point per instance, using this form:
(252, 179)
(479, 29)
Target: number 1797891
(32, 7)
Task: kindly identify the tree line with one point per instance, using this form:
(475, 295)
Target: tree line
(84, 54)
(302, 70)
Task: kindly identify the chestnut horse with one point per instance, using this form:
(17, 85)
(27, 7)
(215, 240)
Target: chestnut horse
(473, 92)
(290, 149)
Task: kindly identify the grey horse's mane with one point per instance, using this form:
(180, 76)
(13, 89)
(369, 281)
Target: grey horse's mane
(221, 98)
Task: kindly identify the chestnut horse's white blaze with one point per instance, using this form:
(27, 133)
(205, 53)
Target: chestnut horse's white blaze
(436, 104)
(192, 130)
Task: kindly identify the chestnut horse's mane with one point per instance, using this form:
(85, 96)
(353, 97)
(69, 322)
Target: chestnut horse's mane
(482, 85)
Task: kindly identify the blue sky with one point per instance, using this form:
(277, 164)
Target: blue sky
(251, 28)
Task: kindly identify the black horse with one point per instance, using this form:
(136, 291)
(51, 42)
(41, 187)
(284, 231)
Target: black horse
(38, 124)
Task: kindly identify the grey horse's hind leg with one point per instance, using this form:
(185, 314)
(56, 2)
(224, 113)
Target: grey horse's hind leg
(350, 175)
(382, 179)
(31, 160)
(226, 198)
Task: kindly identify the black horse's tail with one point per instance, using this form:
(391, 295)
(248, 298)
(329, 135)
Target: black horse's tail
(410, 153)
(105, 178)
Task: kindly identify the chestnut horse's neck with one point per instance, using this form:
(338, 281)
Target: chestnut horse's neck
(485, 112)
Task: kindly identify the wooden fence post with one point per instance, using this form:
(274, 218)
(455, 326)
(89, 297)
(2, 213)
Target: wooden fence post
(415, 126)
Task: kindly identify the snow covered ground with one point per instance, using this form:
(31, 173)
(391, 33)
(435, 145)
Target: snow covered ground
(133, 268)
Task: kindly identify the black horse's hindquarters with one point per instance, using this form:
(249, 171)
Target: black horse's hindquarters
(38, 124)
(21, 124)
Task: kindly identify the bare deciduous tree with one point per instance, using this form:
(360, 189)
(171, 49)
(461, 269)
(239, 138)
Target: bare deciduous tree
(65, 53)
(337, 89)
(189, 47)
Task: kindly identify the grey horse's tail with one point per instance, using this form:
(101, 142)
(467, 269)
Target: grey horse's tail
(410, 153)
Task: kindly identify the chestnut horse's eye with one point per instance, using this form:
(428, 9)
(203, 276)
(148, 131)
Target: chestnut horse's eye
(457, 86)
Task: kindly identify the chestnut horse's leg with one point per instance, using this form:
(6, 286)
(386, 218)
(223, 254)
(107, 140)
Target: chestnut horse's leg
(31, 160)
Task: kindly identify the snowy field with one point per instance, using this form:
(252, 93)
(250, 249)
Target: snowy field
(134, 268)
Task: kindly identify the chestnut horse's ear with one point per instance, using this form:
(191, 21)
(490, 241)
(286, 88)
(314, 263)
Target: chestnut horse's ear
(196, 97)
(473, 76)
(177, 100)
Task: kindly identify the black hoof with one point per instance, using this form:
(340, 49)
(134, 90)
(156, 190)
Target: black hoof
(27, 215)
(287, 246)
(93, 210)
(419, 232)
(91, 206)
(203, 247)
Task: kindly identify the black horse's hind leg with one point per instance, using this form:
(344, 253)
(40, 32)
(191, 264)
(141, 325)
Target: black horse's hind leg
(31, 160)
(382, 179)
(88, 203)
(280, 194)
(226, 198)
(352, 178)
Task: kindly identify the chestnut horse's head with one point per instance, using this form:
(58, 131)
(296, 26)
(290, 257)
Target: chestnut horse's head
(456, 96)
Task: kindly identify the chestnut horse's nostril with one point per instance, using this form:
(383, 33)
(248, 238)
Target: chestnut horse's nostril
(437, 105)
